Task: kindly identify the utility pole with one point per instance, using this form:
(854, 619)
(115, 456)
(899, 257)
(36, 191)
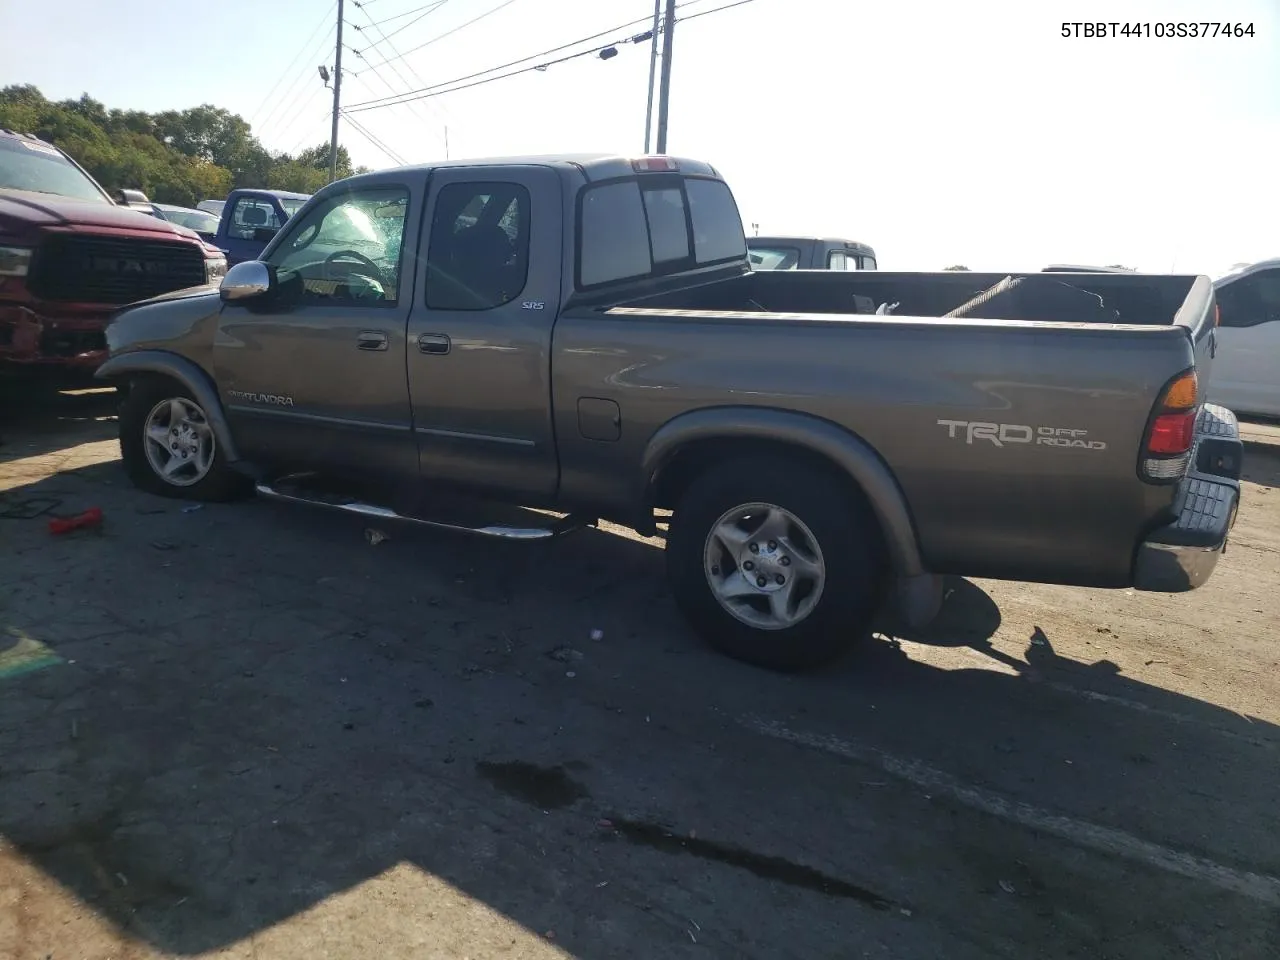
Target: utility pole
(664, 94)
(337, 102)
(653, 65)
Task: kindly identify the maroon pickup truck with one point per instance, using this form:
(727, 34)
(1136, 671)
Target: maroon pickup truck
(70, 256)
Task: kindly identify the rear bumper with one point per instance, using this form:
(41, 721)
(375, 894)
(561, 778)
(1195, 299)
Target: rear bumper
(1182, 555)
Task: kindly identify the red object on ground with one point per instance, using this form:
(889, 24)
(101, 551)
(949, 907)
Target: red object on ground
(90, 518)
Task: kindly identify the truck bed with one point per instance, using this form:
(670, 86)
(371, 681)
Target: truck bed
(1069, 513)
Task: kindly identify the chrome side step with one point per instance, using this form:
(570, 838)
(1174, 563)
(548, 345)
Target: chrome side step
(562, 526)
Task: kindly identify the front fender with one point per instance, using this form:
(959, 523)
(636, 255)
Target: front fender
(846, 450)
(190, 375)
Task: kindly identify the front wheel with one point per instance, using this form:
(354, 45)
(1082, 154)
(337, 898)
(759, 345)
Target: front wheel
(779, 567)
(169, 447)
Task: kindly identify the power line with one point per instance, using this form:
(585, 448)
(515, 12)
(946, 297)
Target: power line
(296, 57)
(386, 101)
(695, 16)
(395, 68)
(293, 88)
(449, 33)
(391, 154)
(429, 9)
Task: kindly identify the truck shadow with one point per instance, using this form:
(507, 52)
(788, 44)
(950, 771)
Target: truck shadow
(38, 418)
(307, 711)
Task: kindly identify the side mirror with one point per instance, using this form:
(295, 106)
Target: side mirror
(264, 234)
(133, 198)
(245, 280)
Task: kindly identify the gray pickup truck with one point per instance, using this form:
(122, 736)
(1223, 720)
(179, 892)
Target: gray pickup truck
(583, 337)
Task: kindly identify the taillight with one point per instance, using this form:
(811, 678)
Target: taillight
(1167, 446)
(658, 164)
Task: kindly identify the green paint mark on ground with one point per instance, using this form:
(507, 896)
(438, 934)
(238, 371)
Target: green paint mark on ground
(24, 656)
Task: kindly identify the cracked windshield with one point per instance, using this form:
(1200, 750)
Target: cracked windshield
(475, 483)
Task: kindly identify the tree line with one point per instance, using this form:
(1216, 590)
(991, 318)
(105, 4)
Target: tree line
(177, 156)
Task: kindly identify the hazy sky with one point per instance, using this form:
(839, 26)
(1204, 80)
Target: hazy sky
(939, 132)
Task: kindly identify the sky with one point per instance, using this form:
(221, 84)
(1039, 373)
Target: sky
(938, 132)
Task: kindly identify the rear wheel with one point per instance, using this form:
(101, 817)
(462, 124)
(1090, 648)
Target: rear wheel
(775, 566)
(169, 447)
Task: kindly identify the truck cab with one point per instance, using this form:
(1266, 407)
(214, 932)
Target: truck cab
(809, 253)
(250, 218)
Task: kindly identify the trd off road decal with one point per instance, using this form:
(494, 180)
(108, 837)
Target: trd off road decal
(1005, 434)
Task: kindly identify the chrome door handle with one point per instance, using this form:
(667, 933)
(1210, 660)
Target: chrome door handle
(371, 340)
(436, 343)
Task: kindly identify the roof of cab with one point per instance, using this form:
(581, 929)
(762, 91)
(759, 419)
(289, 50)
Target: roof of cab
(593, 166)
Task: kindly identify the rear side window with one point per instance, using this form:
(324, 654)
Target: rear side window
(717, 225)
(652, 226)
(614, 234)
(249, 216)
(478, 253)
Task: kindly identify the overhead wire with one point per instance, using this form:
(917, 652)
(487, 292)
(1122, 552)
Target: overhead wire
(391, 154)
(428, 9)
(327, 18)
(459, 84)
(449, 33)
(290, 97)
(513, 63)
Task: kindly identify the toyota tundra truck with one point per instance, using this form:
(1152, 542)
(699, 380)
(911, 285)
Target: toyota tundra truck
(584, 338)
(70, 255)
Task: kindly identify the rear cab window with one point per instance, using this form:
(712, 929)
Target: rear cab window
(653, 225)
(774, 258)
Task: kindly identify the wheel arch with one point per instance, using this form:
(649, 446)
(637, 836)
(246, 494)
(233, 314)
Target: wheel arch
(123, 369)
(685, 445)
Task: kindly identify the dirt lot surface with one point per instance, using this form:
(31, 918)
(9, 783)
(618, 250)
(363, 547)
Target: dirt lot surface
(244, 732)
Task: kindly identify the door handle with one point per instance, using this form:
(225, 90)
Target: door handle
(436, 343)
(371, 340)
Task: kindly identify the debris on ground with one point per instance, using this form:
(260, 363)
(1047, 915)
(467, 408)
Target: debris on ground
(1007, 887)
(82, 521)
(193, 508)
(565, 654)
(597, 634)
(570, 674)
(375, 537)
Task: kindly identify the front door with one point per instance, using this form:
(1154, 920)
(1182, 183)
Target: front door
(480, 337)
(312, 374)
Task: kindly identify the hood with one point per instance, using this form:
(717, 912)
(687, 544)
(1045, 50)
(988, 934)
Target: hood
(21, 211)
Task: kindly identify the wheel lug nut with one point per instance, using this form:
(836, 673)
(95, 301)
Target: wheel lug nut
(785, 561)
(748, 565)
(773, 544)
(761, 581)
(754, 548)
(781, 579)
(716, 571)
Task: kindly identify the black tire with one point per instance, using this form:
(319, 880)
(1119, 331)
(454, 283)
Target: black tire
(219, 484)
(841, 524)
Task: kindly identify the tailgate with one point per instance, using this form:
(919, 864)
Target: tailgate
(1198, 315)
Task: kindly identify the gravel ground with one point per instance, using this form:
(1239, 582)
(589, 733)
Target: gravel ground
(244, 732)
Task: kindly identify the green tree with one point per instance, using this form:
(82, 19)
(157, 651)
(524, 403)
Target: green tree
(177, 156)
(957, 267)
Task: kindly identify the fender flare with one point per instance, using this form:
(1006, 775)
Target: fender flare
(187, 373)
(857, 458)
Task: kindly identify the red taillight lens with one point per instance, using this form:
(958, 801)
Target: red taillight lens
(1167, 452)
(1172, 433)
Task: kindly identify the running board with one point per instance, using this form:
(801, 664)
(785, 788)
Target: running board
(502, 532)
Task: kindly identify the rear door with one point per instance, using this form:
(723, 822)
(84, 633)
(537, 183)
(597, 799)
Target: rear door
(479, 343)
(252, 222)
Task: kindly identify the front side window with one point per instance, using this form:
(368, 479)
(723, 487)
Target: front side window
(478, 252)
(346, 250)
(1251, 300)
(249, 216)
(774, 258)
